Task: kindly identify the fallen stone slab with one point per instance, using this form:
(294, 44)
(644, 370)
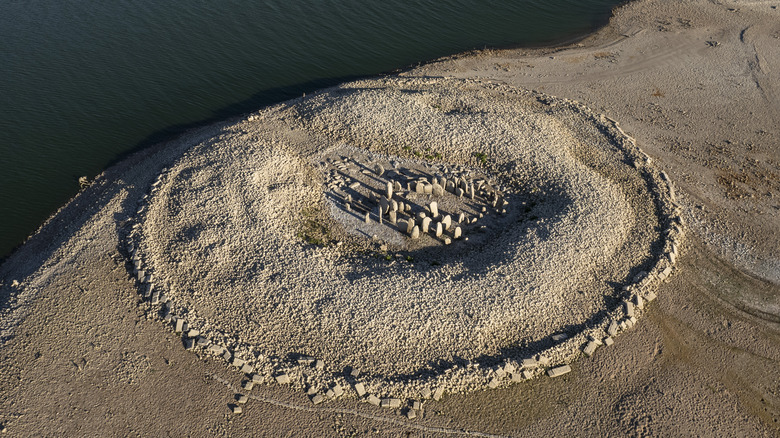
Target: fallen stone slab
(559, 371)
(247, 369)
(360, 389)
(493, 383)
(613, 328)
(411, 414)
(529, 363)
(608, 341)
(241, 399)
(189, 344)
(257, 378)
(590, 348)
(425, 393)
(629, 308)
(392, 403)
(282, 379)
(317, 399)
(437, 395)
(374, 400)
(237, 409)
(248, 385)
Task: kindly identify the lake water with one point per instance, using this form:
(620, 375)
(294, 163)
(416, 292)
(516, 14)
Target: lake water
(83, 82)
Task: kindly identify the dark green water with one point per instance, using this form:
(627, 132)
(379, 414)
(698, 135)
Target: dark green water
(82, 82)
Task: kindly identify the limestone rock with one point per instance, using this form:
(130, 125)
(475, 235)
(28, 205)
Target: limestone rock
(426, 224)
(559, 371)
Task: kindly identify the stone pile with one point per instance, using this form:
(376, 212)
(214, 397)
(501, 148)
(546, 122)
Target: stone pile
(418, 207)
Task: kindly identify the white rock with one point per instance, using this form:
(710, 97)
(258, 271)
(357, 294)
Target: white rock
(392, 403)
(434, 208)
(457, 233)
(438, 229)
(360, 389)
(415, 232)
(590, 348)
(613, 328)
(559, 371)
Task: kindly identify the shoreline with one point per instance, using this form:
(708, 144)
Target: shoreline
(171, 133)
(685, 345)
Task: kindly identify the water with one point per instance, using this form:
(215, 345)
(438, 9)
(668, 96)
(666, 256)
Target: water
(82, 82)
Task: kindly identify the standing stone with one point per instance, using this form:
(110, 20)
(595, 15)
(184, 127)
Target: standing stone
(419, 187)
(450, 187)
(408, 207)
(379, 169)
(409, 226)
(397, 186)
(426, 224)
(438, 229)
(428, 189)
(393, 217)
(401, 207)
(443, 183)
(471, 191)
(438, 190)
(348, 207)
(461, 218)
(379, 213)
(389, 192)
(434, 207)
(438, 393)
(459, 192)
(415, 232)
(447, 222)
(457, 233)
(421, 215)
(367, 217)
(385, 204)
(447, 240)
(393, 205)
(179, 327)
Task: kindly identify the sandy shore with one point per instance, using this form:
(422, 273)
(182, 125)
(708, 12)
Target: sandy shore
(692, 83)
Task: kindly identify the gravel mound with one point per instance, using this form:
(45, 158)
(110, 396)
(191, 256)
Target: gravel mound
(249, 236)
